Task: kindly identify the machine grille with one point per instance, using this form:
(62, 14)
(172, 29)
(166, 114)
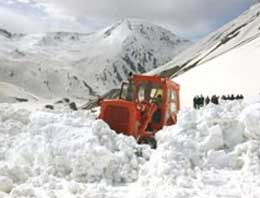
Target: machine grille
(117, 118)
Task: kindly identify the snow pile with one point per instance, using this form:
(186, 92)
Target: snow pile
(6, 184)
(251, 118)
(214, 151)
(46, 150)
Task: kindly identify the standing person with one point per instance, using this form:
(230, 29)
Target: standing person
(195, 102)
(228, 97)
(198, 102)
(130, 88)
(207, 100)
(214, 99)
(217, 100)
(202, 100)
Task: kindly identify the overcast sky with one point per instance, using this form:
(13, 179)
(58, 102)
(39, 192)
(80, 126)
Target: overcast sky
(191, 19)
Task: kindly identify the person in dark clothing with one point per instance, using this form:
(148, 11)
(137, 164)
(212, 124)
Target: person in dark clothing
(240, 97)
(214, 99)
(157, 116)
(158, 100)
(223, 97)
(130, 88)
(195, 102)
(202, 101)
(232, 97)
(228, 97)
(198, 102)
(207, 100)
(217, 100)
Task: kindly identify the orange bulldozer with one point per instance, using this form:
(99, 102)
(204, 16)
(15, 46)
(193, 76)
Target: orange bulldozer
(144, 106)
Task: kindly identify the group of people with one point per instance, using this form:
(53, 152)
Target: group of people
(200, 101)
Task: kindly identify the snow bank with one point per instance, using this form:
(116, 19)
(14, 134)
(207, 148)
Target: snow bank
(42, 149)
(212, 152)
(6, 184)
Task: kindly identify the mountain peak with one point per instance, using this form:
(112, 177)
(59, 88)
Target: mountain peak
(135, 21)
(141, 27)
(136, 24)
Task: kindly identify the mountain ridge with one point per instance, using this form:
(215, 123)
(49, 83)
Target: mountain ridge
(80, 65)
(237, 32)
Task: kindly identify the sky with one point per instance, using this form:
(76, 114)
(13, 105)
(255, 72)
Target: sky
(191, 19)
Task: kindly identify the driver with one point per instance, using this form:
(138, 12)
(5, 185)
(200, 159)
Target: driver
(158, 100)
(129, 94)
(157, 114)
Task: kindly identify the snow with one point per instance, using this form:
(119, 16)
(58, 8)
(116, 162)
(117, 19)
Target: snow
(9, 93)
(224, 62)
(6, 184)
(80, 65)
(250, 117)
(200, 158)
(236, 72)
(73, 146)
(212, 152)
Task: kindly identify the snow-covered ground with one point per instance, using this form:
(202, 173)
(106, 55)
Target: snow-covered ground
(212, 152)
(12, 93)
(235, 72)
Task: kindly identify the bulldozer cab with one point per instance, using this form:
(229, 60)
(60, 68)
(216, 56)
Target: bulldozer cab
(145, 105)
(153, 90)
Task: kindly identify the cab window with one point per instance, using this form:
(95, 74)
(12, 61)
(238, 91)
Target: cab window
(172, 99)
(155, 92)
(141, 93)
(148, 91)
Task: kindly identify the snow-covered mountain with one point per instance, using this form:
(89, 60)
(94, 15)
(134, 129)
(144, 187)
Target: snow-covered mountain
(224, 62)
(81, 65)
(235, 34)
